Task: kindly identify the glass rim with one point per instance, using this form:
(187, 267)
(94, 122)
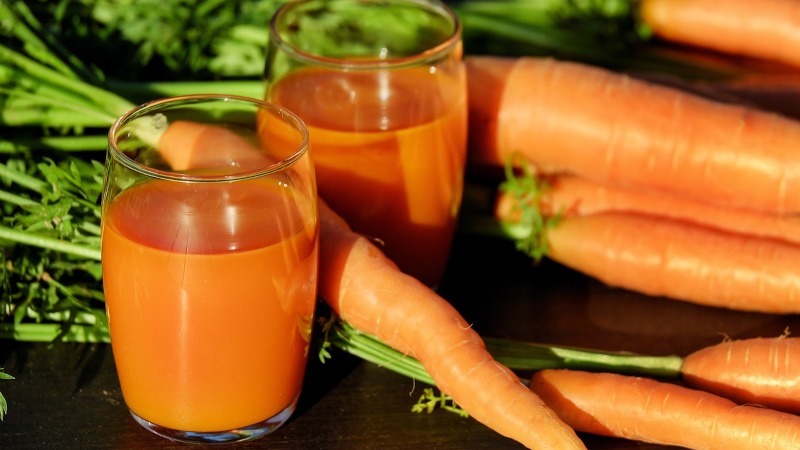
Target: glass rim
(286, 115)
(435, 52)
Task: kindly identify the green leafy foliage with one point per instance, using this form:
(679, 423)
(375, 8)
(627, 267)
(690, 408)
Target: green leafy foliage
(164, 40)
(3, 402)
(430, 401)
(343, 29)
(55, 277)
(529, 227)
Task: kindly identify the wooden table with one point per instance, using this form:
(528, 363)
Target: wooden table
(67, 396)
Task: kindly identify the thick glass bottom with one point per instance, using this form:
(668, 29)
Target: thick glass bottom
(247, 433)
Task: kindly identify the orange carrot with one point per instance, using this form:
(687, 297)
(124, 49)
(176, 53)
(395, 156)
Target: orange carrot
(570, 117)
(197, 145)
(679, 260)
(367, 290)
(761, 371)
(579, 196)
(765, 29)
(652, 411)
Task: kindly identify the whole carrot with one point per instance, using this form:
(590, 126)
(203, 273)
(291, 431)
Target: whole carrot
(368, 290)
(572, 195)
(652, 411)
(679, 260)
(765, 29)
(570, 117)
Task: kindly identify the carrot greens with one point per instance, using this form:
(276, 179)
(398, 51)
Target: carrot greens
(529, 230)
(3, 402)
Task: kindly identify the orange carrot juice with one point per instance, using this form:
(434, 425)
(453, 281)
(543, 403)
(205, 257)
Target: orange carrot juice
(210, 298)
(389, 154)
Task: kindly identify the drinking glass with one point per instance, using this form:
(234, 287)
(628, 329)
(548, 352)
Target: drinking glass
(382, 87)
(209, 257)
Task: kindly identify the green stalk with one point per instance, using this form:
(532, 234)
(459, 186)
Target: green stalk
(25, 238)
(519, 355)
(20, 81)
(528, 12)
(82, 143)
(24, 180)
(539, 40)
(86, 318)
(109, 102)
(371, 349)
(14, 199)
(49, 332)
(91, 228)
(52, 112)
(516, 355)
(140, 92)
(32, 41)
(29, 31)
(60, 119)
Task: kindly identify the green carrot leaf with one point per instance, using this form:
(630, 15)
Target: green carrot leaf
(429, 401)
(3, 403)
(529, 226)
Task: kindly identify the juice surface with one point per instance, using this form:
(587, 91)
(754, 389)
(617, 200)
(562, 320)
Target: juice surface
(389, 150)
(210, 301)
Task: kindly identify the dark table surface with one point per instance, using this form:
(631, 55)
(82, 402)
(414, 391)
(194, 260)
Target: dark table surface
(67, 395)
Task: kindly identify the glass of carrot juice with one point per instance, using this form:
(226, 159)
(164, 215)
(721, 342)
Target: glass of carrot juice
(209, 256)
(382, 87)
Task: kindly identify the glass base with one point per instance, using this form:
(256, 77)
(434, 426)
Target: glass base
(248, 433)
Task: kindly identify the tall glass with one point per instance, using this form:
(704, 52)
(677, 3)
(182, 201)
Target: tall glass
(382, 87)
(209, 256)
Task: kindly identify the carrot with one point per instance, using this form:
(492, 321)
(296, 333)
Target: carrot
(762, 371)
(368, 290)
(571, 117)
(572, 195)
(196, 145)
(652, 411)
(676, 259)
(764, 29)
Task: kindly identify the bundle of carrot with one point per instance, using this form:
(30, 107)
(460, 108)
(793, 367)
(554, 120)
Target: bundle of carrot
(657, 190)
